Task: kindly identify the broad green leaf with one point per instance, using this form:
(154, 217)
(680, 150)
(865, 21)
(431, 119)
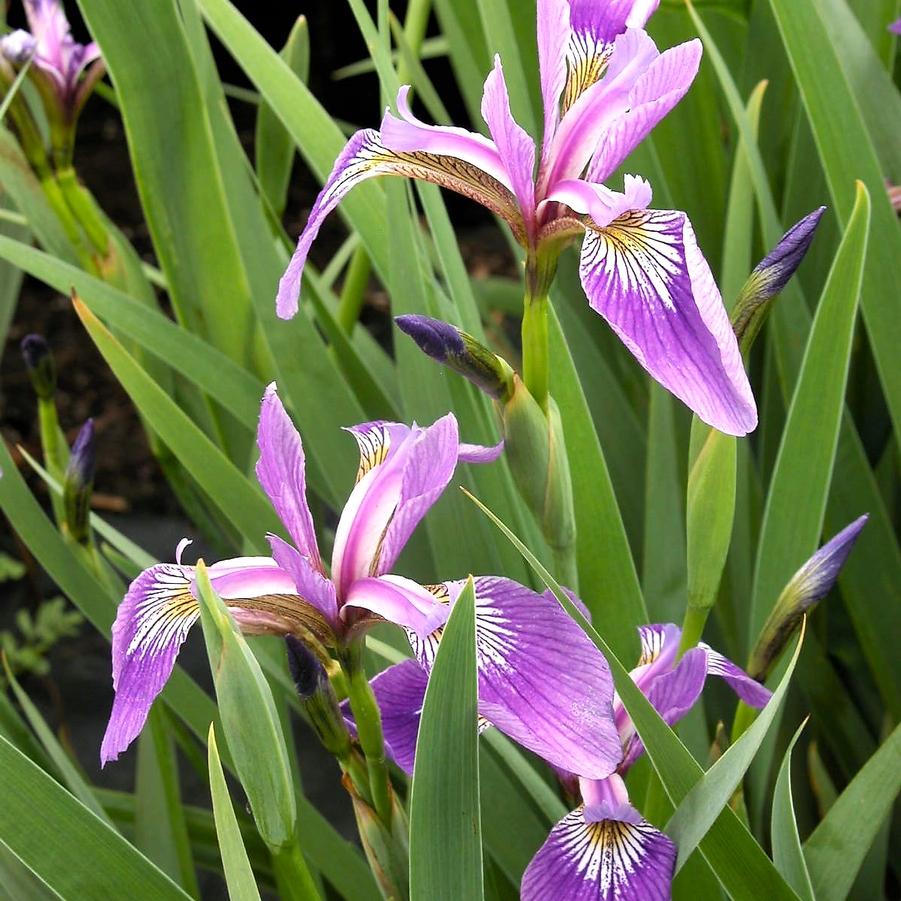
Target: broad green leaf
(250, 721)
(65, 844)
(238, 873)
(67, 769)
(787, 852)
(160, 829)
(796, 503)
(698, 809)
(837, 847)
(847, 154)
(738, 862)
(273, 145)
(239, 500)
(445, 831)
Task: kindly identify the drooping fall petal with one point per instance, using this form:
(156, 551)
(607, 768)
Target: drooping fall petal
(645, 274)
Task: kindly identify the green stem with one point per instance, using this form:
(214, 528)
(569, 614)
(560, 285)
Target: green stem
(535, 358)
(744, 717)
(56, 453)
(57, 201)
(292, 876)
(354, 290)
(692, 627)
(369, 730)
(84, 208)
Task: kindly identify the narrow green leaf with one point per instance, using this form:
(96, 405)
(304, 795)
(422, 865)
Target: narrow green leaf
(796, 503)
(71, 777)
(240, 501)
(273, 145)
(787, 852)
(445, 829)
(698, 810)
(847, 154)
(160, 829)
(249, 720)
(65, 844)
(837, 847)
(607, 577)
(239, 876)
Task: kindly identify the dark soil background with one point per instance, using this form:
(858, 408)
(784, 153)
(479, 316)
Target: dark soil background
(129, 488)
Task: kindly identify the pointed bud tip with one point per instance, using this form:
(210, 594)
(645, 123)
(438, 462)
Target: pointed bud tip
(34, 348)
(778, 266)
(83, 457)
(436, 338)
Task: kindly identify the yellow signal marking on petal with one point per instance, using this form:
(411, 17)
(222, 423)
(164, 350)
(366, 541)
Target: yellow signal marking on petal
(651, 646)
(641, 250)
(374, 445)
(586, 61)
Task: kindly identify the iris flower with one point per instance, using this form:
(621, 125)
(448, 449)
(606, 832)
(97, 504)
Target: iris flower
(604, 87)
(540, 679)
(58, 60)
(605, 849)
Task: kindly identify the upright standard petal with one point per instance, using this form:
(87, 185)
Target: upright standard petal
(515, 147)
(309, 582)
(609, 18)
(654, 94)
(645, 274)
(553, 40)
(586, 859)
(367, 156)
(281, 470)
(597, 107)
(541, 680)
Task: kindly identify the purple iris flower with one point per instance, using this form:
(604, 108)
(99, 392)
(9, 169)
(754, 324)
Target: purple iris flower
(58, 61)
(895, 27)
(605, 849)
(536, 667)
(604, 87)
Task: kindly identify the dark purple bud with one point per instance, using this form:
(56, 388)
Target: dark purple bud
(40, 365)
(806, 588)
(461, 352)
(79, 482)
(438, 339)
(306, 671)
(315, 690)
(770, 276)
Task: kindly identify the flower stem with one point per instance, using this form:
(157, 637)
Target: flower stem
(540, 270)
(369, 730)
(692, 627)
(84, 208)
(292, 876)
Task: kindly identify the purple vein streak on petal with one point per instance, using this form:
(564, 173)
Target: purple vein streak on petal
(607, 860)
(541, 680)
(647, 277)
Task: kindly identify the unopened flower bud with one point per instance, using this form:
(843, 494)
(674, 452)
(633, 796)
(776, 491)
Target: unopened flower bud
(79, 482)
(770, 276)
(807, 587)
(17, 47)
(40, 365)
(318, 696)
(461, 352)
(536, 453)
